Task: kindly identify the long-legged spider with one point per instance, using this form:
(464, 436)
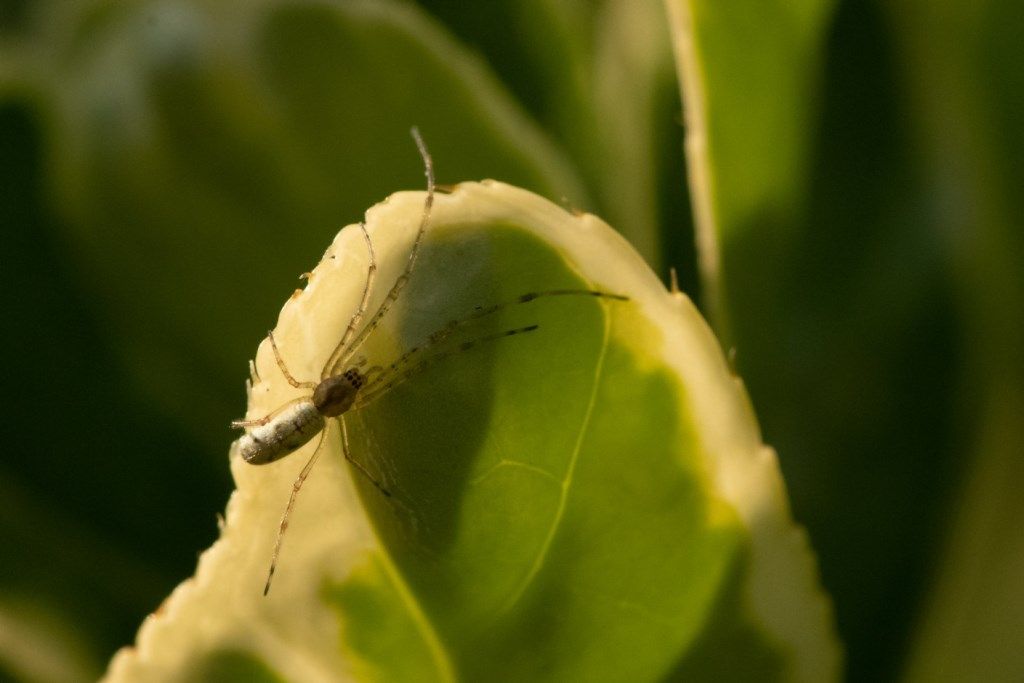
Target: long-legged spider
(343, 387)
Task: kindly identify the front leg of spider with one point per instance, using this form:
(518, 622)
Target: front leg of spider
(295, 423)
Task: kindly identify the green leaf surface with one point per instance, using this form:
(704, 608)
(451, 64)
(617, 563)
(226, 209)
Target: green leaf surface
(589, 500)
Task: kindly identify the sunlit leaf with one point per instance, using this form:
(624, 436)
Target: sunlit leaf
(588, 500)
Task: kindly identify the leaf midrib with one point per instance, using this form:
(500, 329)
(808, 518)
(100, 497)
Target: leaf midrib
(542, 553)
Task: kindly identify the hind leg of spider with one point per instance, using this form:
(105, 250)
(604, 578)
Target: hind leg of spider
(391, 378)
(357, 316)
(452, 326)
(241, 424)
(296, 487)
(284, 368)
(358, 465)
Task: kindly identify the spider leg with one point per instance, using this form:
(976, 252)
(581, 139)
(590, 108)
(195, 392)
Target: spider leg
(284, 369)
(296, 487)
(389, 380)
(452, 326)
(339, 359)
(358, 465)
(357, 316)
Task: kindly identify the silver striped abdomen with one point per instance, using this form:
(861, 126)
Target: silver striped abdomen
(286, 433)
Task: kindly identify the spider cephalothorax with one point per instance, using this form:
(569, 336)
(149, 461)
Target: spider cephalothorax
(335, 395)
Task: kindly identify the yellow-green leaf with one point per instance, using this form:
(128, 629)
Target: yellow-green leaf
(589, 500)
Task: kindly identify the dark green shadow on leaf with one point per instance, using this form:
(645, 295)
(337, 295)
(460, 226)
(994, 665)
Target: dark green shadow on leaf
(226, 666)
(550, 515)
(730, 648)
(383, 641)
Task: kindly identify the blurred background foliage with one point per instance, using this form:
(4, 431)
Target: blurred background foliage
(170, 167)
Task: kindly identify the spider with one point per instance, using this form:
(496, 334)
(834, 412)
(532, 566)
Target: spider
(343, 387)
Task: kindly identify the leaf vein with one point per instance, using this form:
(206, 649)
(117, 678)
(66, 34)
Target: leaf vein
(538, 561)
(505, 462)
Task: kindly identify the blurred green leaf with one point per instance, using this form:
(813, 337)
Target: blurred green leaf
(536, 528)
(36, 645)
(965, 72)
(749, 73)
(822, 272)
(93, 533)
(868, 263)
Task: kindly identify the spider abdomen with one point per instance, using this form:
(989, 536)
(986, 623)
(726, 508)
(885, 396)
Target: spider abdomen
(288, 431)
